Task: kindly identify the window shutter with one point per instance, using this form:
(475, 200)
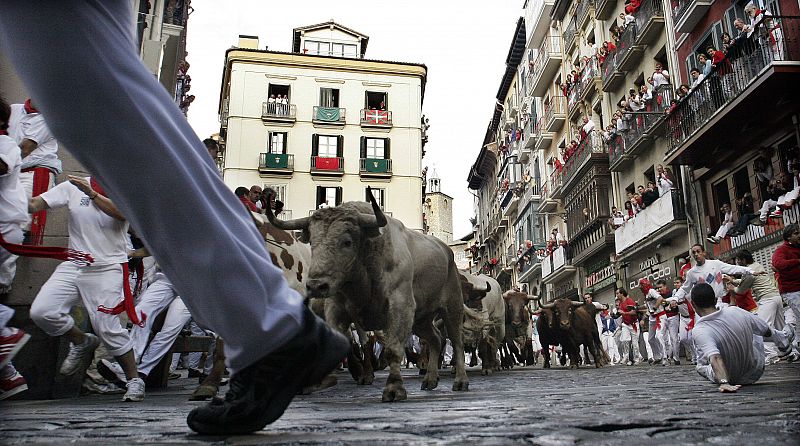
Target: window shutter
(320, 196)
(285, 148)
(340, 146)
(338, 196)
(315, 145)
(363, 147)
(386, 153)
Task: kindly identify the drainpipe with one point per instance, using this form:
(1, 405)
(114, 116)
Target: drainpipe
(672, 50)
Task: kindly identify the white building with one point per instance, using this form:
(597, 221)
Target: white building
(321, 123)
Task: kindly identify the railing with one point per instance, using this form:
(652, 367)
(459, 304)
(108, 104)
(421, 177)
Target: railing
(626, 43)
(551, 47)
(616, 148)
(555, 106)
(642, 123)
(281, 161)
(583, 8)
(609, 64)
(285, 214)
(588, 75)
(746, 60)
(374, 165)
(573, 99)
(529, 258)
(279, 111)
(555, 182)
(539, 130)
(555, 261)
(757, 237)
(533, 189)
(372, 117)
(590, 144)
(327, 164)
(570, 32)
(647, 11)
(679, 8)
(334, 115)
(668, 208)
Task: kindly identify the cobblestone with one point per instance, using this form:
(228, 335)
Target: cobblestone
(638, 405)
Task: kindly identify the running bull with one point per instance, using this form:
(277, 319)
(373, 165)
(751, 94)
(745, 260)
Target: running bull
(574, 324)
(376, 273)
(484, 321)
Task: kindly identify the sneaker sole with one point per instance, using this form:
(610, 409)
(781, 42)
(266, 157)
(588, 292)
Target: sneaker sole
(89, 355)
(330, 354)
(14, 391)
(106, 372)
(21, 343)
(129, 399)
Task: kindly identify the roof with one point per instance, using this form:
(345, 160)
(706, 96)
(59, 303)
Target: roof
(513, 59)
(297, 31)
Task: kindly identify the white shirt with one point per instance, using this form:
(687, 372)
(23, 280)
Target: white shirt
(664, 185)
(13, 201)
(660, 78)
(23, 126)
(699, 79)
(588, 127)
(90, 229)
(650, 300)
(729, 332)
(709, 272)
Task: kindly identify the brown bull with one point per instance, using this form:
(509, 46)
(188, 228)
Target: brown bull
(575, 322)
(518, 327)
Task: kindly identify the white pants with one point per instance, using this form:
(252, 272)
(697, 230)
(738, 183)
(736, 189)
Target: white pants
(657, 338)
(673, 324)
(778, 337)
(793, 300)
(685, 339)
(629, 343)
(610, 346)
(152, 302)
(91, 59)
(768, 204)
(93, 286)
(12, 233)
(177, 316)
(723, 230)
(6, 314)
(770, 310)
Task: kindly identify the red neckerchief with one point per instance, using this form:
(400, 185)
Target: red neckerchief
(30, 108)
(3, 132)
(50, 252)
(127, 304)
(97, 187)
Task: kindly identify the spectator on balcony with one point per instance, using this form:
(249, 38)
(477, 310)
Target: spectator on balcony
(650, 194)
(271, 104)
(718, 60)
(615, 32)
(744, 205)
(769, 31)
(588, 127)
(626, 18)
(242, 193)
(776, 194)
(705, 64)
(646, 94)
(256, 195)
(727, 224)
(660, 76)
(697, 77)
(763, 170)
(664, 179)
(630, 209)
(683, 91)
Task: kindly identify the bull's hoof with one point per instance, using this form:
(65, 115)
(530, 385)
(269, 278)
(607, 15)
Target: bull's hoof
(573, 366)
(202, 393)
(366, 380)
(394, 393)
(486, 372)
(461, 386)
(430, 383)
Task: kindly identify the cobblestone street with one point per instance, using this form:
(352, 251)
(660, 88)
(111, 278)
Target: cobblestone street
(522, 406)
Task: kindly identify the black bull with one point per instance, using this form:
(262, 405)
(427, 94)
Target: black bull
(570, 324)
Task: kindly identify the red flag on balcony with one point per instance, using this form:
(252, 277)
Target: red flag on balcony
(377, 116)
(327, 163)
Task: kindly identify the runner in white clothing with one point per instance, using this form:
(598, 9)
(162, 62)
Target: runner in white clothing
(729, 343)
(710, 272)
(98, 228)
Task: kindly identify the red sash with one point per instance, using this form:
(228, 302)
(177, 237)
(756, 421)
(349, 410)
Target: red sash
(49, 252)
(41, 182)
(127, 305)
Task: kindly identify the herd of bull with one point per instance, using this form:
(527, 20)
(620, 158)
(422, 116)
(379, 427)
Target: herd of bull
(360, 268)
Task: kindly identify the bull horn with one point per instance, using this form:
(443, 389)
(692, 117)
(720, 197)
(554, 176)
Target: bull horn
(288, 225)
(577, 304)
(372, 221)
(549, 306)
(488, 288)
(532, 297)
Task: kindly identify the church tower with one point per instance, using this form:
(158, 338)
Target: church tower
(438, 209)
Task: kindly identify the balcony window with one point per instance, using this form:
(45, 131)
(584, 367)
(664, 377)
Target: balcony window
(375, 157)
(328, 196)
(380, 197)
(329, 97)
(327, 146)
(277, 142)
(375, 100)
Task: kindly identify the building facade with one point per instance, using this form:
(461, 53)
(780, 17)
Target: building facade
(321, 123)
(438, 210)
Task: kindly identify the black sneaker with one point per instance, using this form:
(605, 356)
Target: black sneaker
(260, 393)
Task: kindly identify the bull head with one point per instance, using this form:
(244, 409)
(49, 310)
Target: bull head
(564, 309)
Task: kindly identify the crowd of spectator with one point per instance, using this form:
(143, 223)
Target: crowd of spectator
(643, 197)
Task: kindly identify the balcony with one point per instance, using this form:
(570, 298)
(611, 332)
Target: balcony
(533, 191)
(757, 237)
(583, 12)
(628, 52)
(327, 166)
(590, 149)
(530, 135)
(546, 64)
(587, 212)
(555, 184)
(278, 113)
(554, 115)
(590, 78)
(540, 19)
(543, 138)
(605, 9)
(749, 94)
(570, 34)
(649, 21)
(509, 202)
(529, 263)
(686, 14)
(380, 119)
(275, 164)
(557, 265)
(660, 221)
(375, 167)
(612, 77)
(328, 116)
(573, 101)
(617, 154)
(547, 203)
